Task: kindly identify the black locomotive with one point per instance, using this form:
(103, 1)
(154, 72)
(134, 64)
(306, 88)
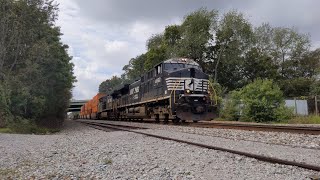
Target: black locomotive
(175, 89)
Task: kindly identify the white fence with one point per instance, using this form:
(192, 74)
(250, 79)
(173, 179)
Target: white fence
(300, 107)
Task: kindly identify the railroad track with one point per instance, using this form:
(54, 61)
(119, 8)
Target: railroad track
(259, 127)
(246, 126)
(104, 126)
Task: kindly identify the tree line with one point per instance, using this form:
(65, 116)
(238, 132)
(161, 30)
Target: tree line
(233, 52)
(36, 73)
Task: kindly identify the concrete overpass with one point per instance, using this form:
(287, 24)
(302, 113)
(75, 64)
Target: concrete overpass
(75, 105)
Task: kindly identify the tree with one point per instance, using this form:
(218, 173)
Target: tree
(135, 68)
(196, 32)
(109, 85)
(155, 41)
(157, 51)
(233, 39)
(35, 70)
(258, 65)
(172, 37)
(155, 56)
(233, 52)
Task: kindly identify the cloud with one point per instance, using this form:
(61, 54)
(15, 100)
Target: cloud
(128, 11)
(104, 35)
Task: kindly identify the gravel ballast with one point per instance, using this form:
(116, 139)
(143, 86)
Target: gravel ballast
(83, 152)
(280, 138)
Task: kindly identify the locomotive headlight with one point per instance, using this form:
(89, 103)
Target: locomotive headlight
(188, 91)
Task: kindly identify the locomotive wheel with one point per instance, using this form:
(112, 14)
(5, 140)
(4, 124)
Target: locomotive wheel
(157, 118)
(175, 120)
(166, 118)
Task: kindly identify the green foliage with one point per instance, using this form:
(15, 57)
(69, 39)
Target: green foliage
(155, 41)
(260, 101)
(234, 52)
(5, 130)
(109, 85)
(304, 120)
(231, 107)
(172, 38)
(196, 33)
(258, 65)
(135, 67)
(27, 126)
(296, 87)
(172, 35)
(233, 38)
(315, 88)
(154, 57)
(35, 69)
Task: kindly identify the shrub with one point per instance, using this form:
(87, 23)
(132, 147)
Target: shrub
(26, 126)
(231, 109)
(260, 101)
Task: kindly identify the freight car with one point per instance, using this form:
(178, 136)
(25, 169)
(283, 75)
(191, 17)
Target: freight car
(176, 89)
(90, 109)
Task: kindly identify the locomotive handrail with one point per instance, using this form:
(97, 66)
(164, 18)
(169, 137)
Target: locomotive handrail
(174, 90)
(215, 93)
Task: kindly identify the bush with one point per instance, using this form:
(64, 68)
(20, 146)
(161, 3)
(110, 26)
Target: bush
(27, 126)
(231, 109)
(315, 88)
(260, 101)
(35, 80)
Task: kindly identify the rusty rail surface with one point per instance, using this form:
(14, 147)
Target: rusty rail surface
(250, 155)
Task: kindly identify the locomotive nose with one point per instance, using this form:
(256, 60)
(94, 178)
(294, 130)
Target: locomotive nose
(199, 109)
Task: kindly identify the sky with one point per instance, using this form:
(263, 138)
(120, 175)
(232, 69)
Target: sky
(103, 35)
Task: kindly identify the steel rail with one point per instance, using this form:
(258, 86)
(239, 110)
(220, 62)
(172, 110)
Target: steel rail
(261, 127)
(250, 155)
(249, 127)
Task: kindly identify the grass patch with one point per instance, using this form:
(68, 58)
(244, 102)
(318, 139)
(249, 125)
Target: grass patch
(27, 128)
(5, 130)
(107, 161)
(33, 130)
(312, 119)
(7, 172)
(305, 120)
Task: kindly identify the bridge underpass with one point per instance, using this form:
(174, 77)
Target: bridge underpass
(75, 105)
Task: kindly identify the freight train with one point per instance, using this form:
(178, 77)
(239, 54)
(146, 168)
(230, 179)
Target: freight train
(176, 89)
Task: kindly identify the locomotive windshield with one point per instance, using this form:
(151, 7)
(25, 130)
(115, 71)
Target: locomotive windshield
(179, 63)
(175, 66)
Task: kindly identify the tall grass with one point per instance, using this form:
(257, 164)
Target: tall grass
(23, 126)
(312, 119)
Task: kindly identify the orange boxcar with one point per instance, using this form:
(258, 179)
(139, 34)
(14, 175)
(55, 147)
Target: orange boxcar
(94, 105)
(90, 109)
